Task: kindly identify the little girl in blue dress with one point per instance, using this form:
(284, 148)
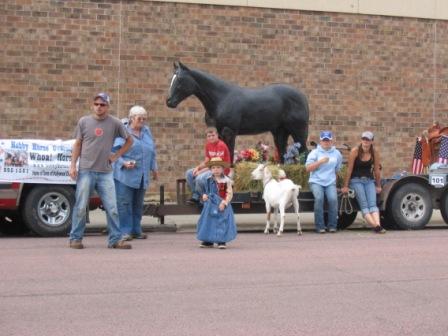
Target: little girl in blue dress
(217, 222)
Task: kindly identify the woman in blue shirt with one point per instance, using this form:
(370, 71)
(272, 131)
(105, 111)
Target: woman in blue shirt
(131, 173)
(323, 163)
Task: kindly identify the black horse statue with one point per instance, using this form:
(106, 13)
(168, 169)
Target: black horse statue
(279, 109)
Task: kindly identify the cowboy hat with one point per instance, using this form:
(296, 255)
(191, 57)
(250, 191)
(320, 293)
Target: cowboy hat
(217, 161)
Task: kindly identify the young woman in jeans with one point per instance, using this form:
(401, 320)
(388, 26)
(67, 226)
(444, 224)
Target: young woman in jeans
(364, 176)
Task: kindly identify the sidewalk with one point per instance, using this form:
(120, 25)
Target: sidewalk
(245, 223)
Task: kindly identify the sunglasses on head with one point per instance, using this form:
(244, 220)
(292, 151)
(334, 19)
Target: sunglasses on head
(366, 139)
(100, 104)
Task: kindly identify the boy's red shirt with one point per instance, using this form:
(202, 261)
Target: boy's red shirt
(218, 149)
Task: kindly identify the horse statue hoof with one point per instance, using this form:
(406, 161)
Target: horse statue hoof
(279, 234)
(299, 232)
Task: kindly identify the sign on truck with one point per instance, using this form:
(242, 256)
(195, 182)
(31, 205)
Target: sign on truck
(36, 191)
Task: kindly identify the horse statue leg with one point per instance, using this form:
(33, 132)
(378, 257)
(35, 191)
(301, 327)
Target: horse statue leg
(228, 136)
(300, 134)
(281, 140)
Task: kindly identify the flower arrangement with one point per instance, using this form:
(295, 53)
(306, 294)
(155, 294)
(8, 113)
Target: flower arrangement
(257, 154)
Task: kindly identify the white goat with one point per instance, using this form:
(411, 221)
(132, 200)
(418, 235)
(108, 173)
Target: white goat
(279, 196)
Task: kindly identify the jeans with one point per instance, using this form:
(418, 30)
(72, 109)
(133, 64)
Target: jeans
(130, 208)
(103, 183)
(365, 193)
(197, 183)
(330, 193)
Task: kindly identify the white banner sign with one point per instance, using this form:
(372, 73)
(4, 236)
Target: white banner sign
(35, 161)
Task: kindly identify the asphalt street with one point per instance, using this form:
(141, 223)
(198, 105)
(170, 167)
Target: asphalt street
(353, 282)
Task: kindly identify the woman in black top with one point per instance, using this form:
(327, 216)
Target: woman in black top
(364, 176)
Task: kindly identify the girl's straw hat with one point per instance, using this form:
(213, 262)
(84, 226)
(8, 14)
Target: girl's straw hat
(217, 161)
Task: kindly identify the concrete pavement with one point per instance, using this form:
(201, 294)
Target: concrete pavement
(353, 282)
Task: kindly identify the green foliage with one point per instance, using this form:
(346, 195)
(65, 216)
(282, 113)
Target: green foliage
(302, 157)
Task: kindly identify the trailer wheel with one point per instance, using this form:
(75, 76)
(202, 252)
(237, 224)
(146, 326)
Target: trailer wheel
(444, 206)
(411, 206)
(48, 210)
(345, 219)
(12, 224)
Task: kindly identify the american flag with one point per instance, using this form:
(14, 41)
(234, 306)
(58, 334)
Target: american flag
(417, 165)
(443, 151)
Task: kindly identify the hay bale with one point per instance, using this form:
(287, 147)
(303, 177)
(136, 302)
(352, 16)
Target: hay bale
(242, 179)
(296, 172)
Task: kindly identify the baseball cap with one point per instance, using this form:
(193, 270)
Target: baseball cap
(326, 135)
(367, 134)
(104, 97)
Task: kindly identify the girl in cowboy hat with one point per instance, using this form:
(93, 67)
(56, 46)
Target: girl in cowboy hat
(217, 222)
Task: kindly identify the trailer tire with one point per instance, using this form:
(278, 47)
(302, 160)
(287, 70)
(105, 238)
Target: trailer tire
(11, 223)
(345, 219)
(48, 210)
(411, 206)
(444, 206)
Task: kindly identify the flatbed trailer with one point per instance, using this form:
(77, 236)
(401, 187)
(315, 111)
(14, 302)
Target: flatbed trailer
(242, 203)
(406, 202)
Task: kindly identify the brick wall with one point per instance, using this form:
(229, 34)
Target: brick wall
(358, 71)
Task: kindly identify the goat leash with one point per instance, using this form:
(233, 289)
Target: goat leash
(346, 205)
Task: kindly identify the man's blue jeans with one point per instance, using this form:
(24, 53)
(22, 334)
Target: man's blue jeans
(103, 183)
(197, 183)
(320, 192)
(130, 208)
(365, 193)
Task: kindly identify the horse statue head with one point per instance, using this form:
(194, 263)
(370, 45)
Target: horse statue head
(182, 85)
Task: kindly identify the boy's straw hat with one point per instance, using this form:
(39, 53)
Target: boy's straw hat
(217, 161)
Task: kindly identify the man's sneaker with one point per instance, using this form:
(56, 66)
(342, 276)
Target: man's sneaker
(205, 244)
(140, 236)
(76, 244)
(121, 244)
(332, 230)
(321, 231)
(222, 246)
(379, 229)
(126, 237)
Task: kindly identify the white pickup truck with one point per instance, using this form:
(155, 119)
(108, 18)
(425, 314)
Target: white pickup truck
(36, 192)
